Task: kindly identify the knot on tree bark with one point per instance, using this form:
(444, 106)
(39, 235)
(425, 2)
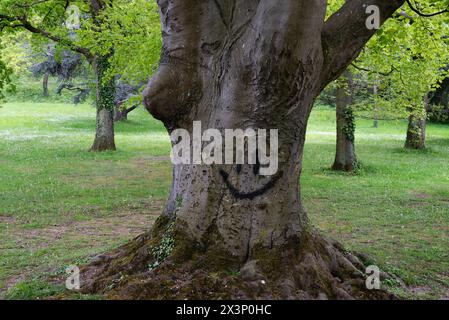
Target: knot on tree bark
(171, 93)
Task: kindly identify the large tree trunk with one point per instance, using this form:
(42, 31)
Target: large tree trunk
(104, 136)
(345, 157)
(45, 85)
(239, 64)
(233, 77)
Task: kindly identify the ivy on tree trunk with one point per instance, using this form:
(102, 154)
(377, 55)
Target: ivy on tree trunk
(105, 92)
(345, 157)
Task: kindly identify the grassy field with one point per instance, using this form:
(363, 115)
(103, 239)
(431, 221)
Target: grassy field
(59, 204)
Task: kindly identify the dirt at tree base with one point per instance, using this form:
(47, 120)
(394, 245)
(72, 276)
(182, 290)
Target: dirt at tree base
(309, 267)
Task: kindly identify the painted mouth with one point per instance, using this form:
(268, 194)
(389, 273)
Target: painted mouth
(253, 194)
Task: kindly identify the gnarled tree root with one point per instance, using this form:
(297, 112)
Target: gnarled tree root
(309, 267)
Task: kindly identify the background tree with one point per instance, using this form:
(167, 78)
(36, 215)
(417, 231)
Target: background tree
(97, 37)
(127, 99)
(406, 60)
(345, 156)
(65, 65)
(413, 43)
(6, 71)
(5, 79)
(439, 103)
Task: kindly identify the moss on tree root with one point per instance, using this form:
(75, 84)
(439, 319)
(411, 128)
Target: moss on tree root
(308, 267)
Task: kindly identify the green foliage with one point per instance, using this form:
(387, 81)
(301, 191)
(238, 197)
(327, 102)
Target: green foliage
(128, 28)
(5, 78)
(349, 128)
(165, 248)
(106, 90)
(439, 114)
(327, 96)
(407, 58)
(14, 51)
(132, 31)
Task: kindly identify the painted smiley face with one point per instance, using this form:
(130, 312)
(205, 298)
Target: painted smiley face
(238, 194)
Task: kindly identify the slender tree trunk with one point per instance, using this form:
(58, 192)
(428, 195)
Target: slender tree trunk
(45, 85)
(376, 121)
(416, 130)
(239, 64)
(104, 137)
(345, 157)
(416, 133)
(122, 114)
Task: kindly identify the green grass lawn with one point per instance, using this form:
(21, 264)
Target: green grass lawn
(59, 203)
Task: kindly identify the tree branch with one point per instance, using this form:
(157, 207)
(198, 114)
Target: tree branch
(345, 34)
(426, 15)
(22, 22)
(385, 74)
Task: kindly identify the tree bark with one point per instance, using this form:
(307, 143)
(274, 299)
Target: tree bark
(105, 90)
(416, 130)
(239, 64)
(122, 114)
(376, 120)
(45, 85)
(345, 157)
(416, 133)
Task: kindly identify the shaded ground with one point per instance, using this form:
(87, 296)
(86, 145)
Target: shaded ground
(60, 204)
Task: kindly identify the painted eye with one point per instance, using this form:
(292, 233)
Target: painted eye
(239, 168)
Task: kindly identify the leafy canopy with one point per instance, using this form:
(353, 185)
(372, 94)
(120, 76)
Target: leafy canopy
(128, 28)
